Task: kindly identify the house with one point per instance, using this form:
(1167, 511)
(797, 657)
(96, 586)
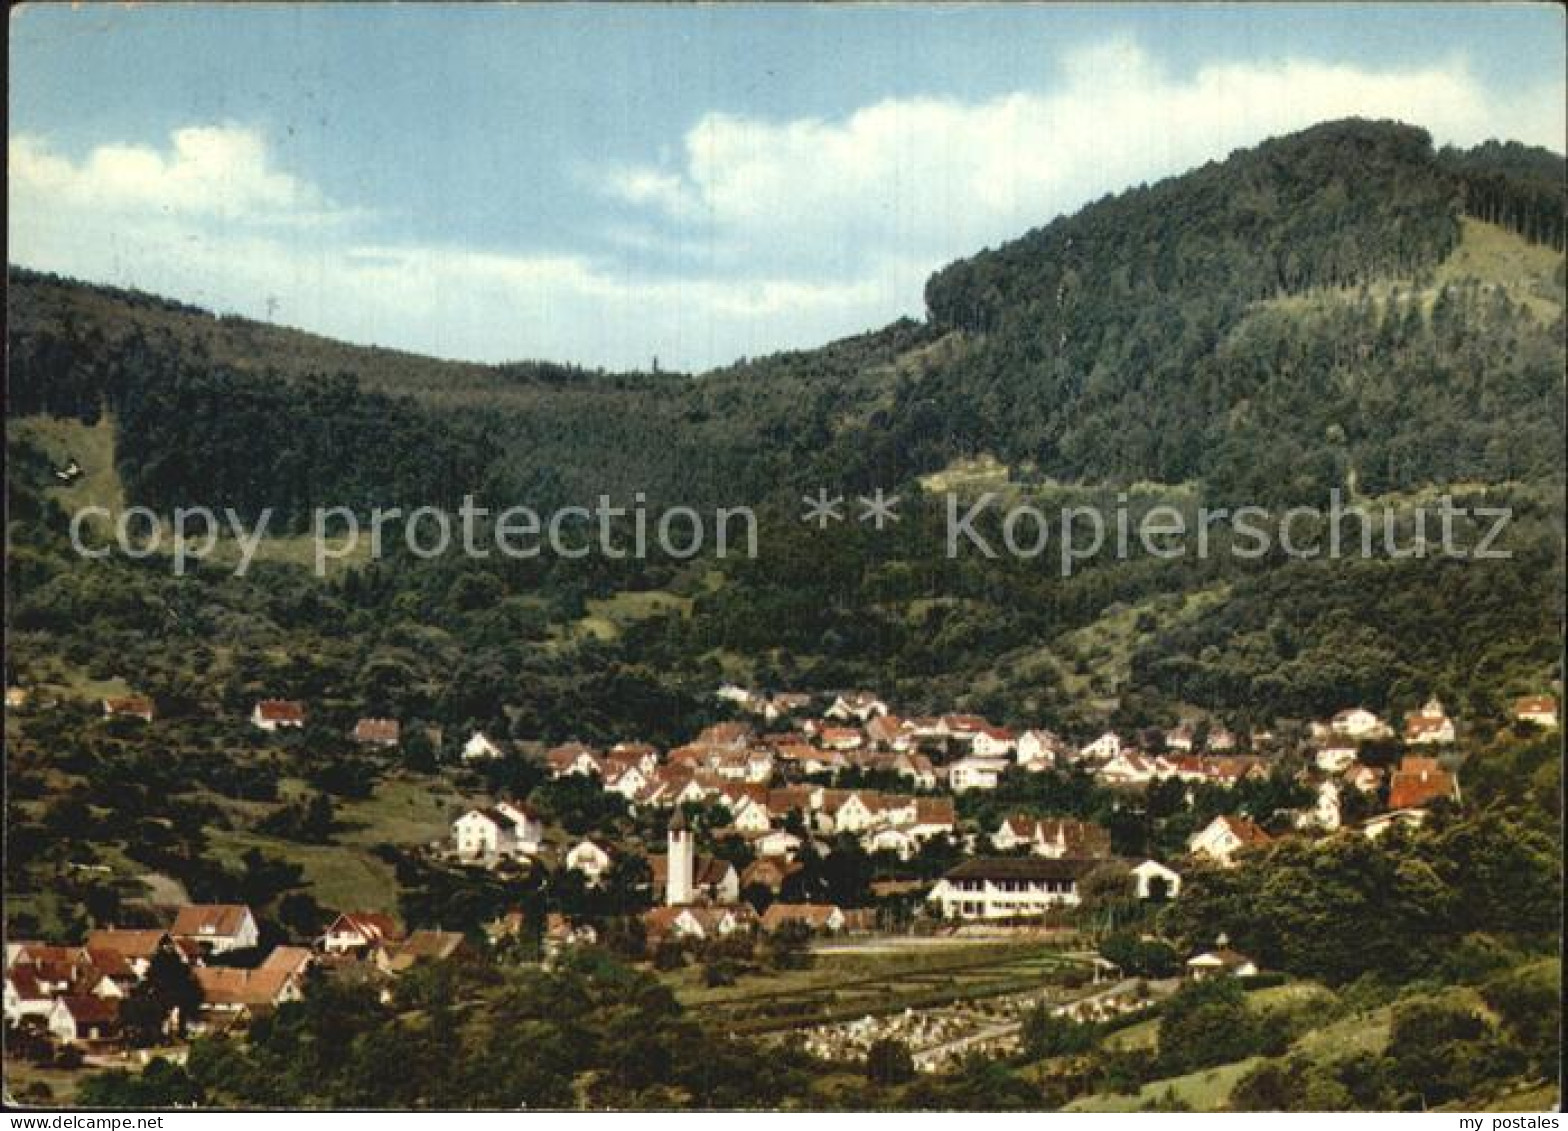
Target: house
(774, 843)
(849, 811)
(590, 857)
(378, 732)
(993, 742)
(1221, 740)
(420, 946)
(890, 732)
(1335, 757)
(1364, 779)
(627, 780)
(1181, 738)
(1225, 836)
(725, 736)
(560, 932)
(359, 932)
(1420, 781)
(294, 960)
(1053, 837)
(934, 817)
(694, 921)
(768, 872)
(1039, 749)
(749, 814)
(640, 754)
(504, 829)
(858, 705)
(1153, 880)
(215, 928)
(25, 996)
(84, 1020)
(137, 947)
(975, 773)
(1430, 726)
(841, 738)
(574, 758)
(278, 714)
(895, 840)
(1359, 723)
(1129, 768)
(1102, 749)
(913, 768)
(1538, 710)
(1220, 961)
(128, 707)
(820, 918)
(1009, 887)
(479, 748)
(16, 698)
(228, 990)
(1374, 827)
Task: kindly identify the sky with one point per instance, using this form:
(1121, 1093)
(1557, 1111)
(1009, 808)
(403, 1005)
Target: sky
(611, 184)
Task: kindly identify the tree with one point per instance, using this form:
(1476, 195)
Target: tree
(789, 947)
(889, 1063)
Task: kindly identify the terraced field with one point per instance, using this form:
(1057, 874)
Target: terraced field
(846, 986)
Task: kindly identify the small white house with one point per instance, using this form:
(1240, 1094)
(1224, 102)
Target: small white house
(1038, 749)
(1222, 961)
(495, 831)
(1102, 749)
(1335, 757)
(590, 858)
(479, 748)
(216, 927)
(993, 742)
(975, 773)
(1538, 710)
(1225, 836)
(1152, 879)
(1358, 722)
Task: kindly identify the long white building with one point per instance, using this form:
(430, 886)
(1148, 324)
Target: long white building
(1008, 887)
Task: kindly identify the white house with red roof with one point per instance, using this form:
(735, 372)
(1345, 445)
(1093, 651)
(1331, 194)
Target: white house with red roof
(1222, 838)
(278, 714)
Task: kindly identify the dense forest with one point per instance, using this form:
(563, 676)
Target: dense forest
(1256, 325)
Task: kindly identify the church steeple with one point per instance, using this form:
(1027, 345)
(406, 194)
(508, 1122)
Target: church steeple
(680, 862)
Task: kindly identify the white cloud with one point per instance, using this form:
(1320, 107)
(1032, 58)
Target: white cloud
(787, 233)
(938, 178)
(216, 171)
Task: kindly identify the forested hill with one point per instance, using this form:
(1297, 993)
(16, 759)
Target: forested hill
(1343, 306)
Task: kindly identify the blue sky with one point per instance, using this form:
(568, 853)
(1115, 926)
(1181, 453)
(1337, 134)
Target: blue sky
(603, 184)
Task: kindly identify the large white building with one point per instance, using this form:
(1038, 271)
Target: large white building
(1007, 887)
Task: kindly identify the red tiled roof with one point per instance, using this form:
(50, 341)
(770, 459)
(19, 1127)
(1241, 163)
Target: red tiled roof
(281, 711)
(1415, 785)
(377, 730)
(134, 706)
(225, 985)
(814, 915)
(209, 920)
(130, 943)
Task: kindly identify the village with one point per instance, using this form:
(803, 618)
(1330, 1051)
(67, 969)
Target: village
(769, 784)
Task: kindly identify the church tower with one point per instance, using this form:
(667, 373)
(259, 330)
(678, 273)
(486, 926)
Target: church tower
(678, 878)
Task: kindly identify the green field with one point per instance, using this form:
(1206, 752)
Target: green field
(93, 447)
(348, 875)
(841, 986)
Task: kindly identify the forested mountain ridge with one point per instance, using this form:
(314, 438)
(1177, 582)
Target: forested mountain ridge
(1270, 325)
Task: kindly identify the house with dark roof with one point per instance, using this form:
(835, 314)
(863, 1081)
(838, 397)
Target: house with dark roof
(1010, 887)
